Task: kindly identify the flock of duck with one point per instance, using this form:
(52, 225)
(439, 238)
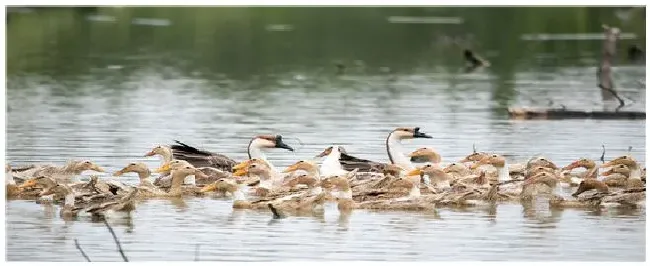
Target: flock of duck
(416, 181)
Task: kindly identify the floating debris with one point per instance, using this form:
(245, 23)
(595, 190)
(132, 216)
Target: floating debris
(151, 22)
(425, 20)
(572, 36)
(101, 18)
(279, 27)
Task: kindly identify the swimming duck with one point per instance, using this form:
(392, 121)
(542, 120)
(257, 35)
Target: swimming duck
(498, 162)
(260, 169)
(199, 158)
(457, 170)
(238, 192)
(179, 171)
(10, 184)
(123, 204)
(165, 153)
(393, 147)
(143, 173)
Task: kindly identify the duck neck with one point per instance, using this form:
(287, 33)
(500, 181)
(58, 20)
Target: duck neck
(504, 174)
(395, 154)
(166, 156)
(415, 192)
(238, 195)
(635, 172)
(332, 165)
(71, 168)
(9, 179)
(144, 178)
(316, 190)
(69, 200)
(177, 182)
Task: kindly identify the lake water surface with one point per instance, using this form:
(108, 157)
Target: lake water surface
(108, 84)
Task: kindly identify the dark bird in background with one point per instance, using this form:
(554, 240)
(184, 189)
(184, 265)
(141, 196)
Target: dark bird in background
(473, 61)
(634, 53)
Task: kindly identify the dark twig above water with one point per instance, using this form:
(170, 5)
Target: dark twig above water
(76, 244)
(276, 212)
(602, 156)
(117, 241)
(473, 147)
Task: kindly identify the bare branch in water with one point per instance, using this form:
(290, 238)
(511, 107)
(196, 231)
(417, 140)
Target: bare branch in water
(629, 149)
(196, 252)
(76, 244)
(621, 102)
(474, 147)
(602, 156)
(117, 241)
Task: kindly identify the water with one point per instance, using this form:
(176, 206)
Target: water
(110, 89)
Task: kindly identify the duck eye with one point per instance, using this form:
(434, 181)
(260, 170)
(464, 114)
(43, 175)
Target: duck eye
(494, 155)
(621, 166)
(132, 164)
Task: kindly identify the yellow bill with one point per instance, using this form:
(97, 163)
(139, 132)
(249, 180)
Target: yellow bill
(163, 168)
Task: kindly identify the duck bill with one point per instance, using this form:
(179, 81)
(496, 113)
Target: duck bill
(209, 188)
(28, 183)
(118, 173)
(477, 164)
(241, 165)
(163, 168)
(608, 172)
(282, 145)
(607, 164)
(414, 172)
(291, 168)
(149, 154)
(96, 168)
(240, 172)
(572, 166)
(421, 135)
(200, 175)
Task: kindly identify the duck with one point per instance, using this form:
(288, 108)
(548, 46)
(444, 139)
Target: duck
(69, 209)
(635, 175)
(332, 165)
(165, 153)
(425, 155)
(432, 174)
(393, 148)
(123, 204)
(633, 197)
(414, 201)
(260, 169)
(541, 183)
(457, 170)
(256, 146)
(179, 171)
(238, 192)
(498, 162)
(143, 171)
(66, 173)
(514, 170)
(617, 176)
(588, 164)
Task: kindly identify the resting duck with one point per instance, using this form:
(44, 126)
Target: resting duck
(256, 146)
(433, 175)
(618, 176)
(457, 170)
(635, 171)
(425, 155)
(542, 183)
(64, 174)
(588, 164)
(633, 197)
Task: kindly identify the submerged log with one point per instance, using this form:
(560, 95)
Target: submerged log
(525, 113)
(605, 83)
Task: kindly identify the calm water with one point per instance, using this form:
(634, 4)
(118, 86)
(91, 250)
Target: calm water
(109, 84)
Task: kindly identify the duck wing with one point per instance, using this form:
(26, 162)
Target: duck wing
(349, 163)
(201, 158)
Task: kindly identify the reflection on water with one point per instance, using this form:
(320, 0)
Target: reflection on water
(84, 86)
